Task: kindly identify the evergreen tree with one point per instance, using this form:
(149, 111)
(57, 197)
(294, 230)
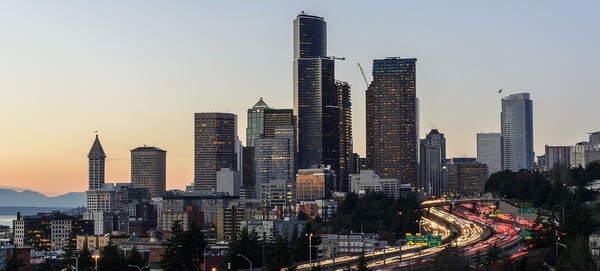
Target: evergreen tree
(185, 249)
(247, 243)
(111, 259)
(576, 256)
(280, 253)
(70, 249)
(362, 264)
(86, 262)
(13, 263)
(134, 257)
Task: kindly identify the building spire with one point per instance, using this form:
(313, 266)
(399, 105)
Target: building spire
(97, 151)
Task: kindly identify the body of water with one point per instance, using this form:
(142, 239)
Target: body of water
(7, 220)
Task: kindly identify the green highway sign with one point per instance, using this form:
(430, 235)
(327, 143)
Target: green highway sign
(421, 240)
(525, 235)
(526, 211)
(434, 241)
(410, 239)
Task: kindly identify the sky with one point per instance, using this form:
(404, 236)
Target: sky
(137, 71)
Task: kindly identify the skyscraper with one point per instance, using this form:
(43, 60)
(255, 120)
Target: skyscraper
(256, 122)
(392, 128)
(149, 170)
(489, 151)
(274, 156)
(315, 95)
(214, 147)
(433, 164)
(96, 158)
(517, 132)
(345, 132)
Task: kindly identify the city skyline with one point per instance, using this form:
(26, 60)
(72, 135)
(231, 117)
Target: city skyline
(138, 77)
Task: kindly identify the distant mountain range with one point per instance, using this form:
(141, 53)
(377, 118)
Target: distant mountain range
(28, 198)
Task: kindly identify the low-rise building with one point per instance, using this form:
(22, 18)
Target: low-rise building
(49, 231)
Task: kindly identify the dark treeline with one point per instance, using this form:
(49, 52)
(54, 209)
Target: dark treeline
(566, 210)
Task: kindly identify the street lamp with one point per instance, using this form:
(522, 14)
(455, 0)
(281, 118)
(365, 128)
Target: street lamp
(310, 235)
(246, 260)
(139, 268)
(207, 246)
(96, 256)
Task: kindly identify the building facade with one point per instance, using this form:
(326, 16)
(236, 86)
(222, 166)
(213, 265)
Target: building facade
(517, 132)
(49, 231)
(391, 115)
(256, 122)
(556, 156)
(489, 150)
(466, 176)
(149, 170)
(215, 140)
(315, 95)
(315, 183)
(367, 180)
(433, 177)
(345, 130)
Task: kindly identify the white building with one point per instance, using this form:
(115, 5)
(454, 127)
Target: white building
(489, 151)
(517, 132)
(367, 180)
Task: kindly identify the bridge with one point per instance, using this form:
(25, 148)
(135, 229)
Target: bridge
(439, 203)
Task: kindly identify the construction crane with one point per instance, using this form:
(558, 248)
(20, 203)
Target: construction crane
(337, 58)
(363, 75)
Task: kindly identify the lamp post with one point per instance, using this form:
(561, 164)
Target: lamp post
(562, 222)
(246, 260)
(96, 256)
(139, 268)
(204, 268)
(310, 235)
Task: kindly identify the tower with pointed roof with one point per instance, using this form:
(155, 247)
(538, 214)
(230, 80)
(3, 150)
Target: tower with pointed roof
(256, 122)
(96, 158)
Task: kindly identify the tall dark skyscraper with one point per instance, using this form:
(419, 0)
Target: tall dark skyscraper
(315, 95)
(214, 147)
(96, 158)
(392, 128)
(345, 132)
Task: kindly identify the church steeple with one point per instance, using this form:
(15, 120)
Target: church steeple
(96, 158)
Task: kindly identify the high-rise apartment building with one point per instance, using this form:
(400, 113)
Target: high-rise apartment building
(466, 176)
(315, 95)
(433, 164)
(391, 115)
(489, 151)
(256, 122)
(517, 132)
(345, 130)
(149, 170)
(215, 138)
(96, 158)
(556, 156)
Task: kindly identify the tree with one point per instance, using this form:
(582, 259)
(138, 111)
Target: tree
(361, 265)
(577, 255)
(70, 249)
(280, 252)
(86, 263)
(111, 259)
(13, 263)
(185, 249)
(247, 244)
(134, 257)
